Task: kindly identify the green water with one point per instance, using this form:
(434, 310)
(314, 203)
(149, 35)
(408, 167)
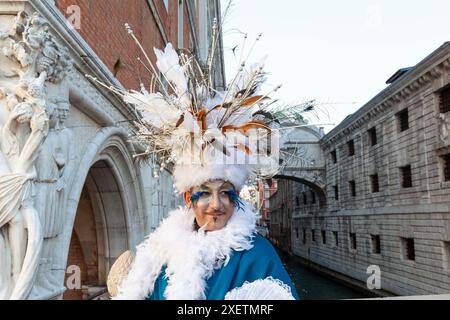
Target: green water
(314, 286)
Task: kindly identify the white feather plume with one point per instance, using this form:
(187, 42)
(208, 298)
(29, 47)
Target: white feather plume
(168, 64)
(192, 123)
(154, 108)
(247, 77)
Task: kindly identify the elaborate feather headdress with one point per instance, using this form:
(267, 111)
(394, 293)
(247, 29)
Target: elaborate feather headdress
(207, 134)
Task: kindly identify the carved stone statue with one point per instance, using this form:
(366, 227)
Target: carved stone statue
(54, 165)
(29, 59)
(444, 128)
(55, 169)
(66, 157)
(48, 176)
(24, 237)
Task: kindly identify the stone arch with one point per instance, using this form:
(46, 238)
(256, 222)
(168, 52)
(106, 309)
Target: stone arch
(100, 229)
(303, 160)
(107, 176)
(318, 189)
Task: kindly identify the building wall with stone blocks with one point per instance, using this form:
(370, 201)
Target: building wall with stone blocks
(390, 199)
(281, 208)
(428, 273)
(306, 200)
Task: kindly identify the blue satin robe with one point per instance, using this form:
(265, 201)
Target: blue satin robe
(259, 262)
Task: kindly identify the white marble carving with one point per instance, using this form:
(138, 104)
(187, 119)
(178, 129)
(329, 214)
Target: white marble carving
(444, 128)
(29, 60)
(54, 166)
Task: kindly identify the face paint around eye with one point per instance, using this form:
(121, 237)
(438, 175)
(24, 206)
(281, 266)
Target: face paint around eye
(235, 200)
(198, 195)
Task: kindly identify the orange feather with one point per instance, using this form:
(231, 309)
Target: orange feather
(252, 100)
(243, 148)
(180, 121)
(202, 119)
(245, 127)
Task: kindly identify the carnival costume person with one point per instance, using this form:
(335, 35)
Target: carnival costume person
(210, 249)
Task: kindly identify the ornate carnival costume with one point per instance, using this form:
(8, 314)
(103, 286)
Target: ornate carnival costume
(206, 135)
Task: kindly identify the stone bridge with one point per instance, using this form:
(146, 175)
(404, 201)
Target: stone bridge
(302, 158)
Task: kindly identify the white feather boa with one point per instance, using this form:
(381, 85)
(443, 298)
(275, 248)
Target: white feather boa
(190, 256)
(262, 289)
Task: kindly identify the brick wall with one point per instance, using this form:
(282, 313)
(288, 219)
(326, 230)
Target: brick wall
(76, 258)
(102, 27)
(83, 250)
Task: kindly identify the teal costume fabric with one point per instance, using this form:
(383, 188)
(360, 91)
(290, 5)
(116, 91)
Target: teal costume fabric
(259, 262)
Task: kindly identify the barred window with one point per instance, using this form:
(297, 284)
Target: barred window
(374, 183)
(351, 148)
(353, 241)
(352, 187)
(444, 100)
(376, 244)
(403, 120)
(408, 250)
(313, 235)
(324, 237)
(372, 136)
(406, 176)
(305, 198)
(336, 239)
(313, 197)
(336, 192)
(446, 160)
(333, 156)
(304, 236)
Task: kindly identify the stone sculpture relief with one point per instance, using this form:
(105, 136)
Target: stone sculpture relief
(444, 128)
(30, 59)
(54, 166)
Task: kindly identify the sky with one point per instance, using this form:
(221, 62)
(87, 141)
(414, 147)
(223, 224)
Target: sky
(339, 53)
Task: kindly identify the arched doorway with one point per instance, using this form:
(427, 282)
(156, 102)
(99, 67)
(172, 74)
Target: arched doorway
(99, 232)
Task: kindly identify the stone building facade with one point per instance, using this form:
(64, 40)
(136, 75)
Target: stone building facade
(281, 209)
(387, 187)
(73, 198)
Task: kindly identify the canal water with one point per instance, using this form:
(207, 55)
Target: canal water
(314, 286)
